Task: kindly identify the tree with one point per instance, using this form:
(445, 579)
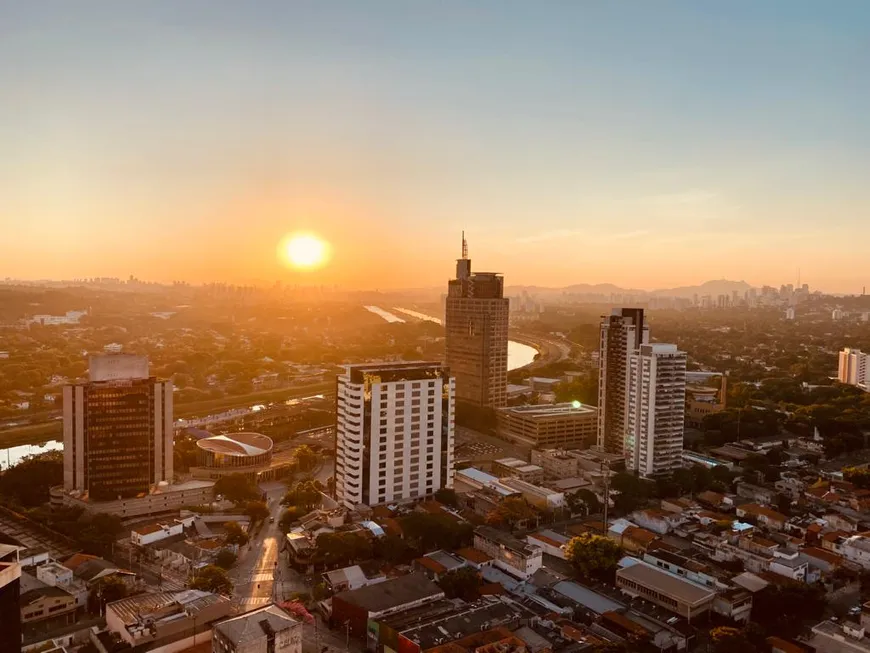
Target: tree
(462, 583)
(509, 512)
(28, 482)
(726, 639)
(235, 535)
(290, 516)
(860, 476)
(784, 609)
(447, 496)
(631, 492)
(593, 556)
(100, 533)
(303, 495)
(106, 590)
(330, 485)
(342, 549)
(237, 488)
(256, 510)
(212, 579)
(425, 532)
(225, 559)
(298, 610)
(584, 502)
(393, 549)
(306, 459)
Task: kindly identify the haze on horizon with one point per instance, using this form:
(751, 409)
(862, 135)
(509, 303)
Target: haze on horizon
(645, 144)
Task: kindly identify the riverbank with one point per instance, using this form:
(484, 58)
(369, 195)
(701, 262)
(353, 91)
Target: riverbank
(549, 351)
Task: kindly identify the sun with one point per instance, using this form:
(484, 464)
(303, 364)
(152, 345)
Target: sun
(304, 251)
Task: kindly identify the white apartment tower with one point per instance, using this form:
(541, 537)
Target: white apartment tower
(622, 333)
(117, 430)
(394, 432)
(656, 409)
(853, 368)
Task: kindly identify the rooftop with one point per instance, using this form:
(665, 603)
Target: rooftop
(256, 625)
(506, 539)
(134, 609)
(551, 410)
(648, 576)
(237, 444)
(392, 593)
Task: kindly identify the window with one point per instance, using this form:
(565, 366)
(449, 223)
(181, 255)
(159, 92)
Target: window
(415, 468)
(382, 456)
(415, 459)
(382, 465)
(414, 477)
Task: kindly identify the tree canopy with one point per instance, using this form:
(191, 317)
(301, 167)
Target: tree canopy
(593, 556)
(234, 534)
(462, 583)
(304, 494)
(237, 488)
(212, 579)
(28, 482)
(510, 512)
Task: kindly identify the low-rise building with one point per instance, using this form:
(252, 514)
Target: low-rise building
(568, 425)
(510, 554)
(538, 496)
(150, 533)
(857, 549)
(763, 515)
(160, 500)
(517, 468)
(354, 609)
(47, 602)
(166, 618)
(550, 542)
(681, 597)
(269, 629)
(438, 563)
(839, 637)
(350, 578)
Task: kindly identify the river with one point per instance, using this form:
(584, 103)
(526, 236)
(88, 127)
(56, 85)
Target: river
(518, 356)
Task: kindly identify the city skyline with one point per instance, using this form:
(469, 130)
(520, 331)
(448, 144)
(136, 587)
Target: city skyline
(683, 143)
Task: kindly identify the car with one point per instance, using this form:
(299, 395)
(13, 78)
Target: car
(855, 611)
(271, 520)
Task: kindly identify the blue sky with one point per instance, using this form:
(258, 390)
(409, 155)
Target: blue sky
(643, 143)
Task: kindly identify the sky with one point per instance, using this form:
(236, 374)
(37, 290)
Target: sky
(646, 144)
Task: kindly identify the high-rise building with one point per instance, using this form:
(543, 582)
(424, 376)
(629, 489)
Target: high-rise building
(476, 325)
(622, 333)
(117, 430)
(656, 409)
(394, 432)
(10, 608)
(854, 368)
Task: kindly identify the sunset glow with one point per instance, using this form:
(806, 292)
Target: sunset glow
(304, 251)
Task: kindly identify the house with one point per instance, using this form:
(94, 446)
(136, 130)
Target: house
(47, 602)
(791, 565)
(633, 539)
(765, 516)
(857, 549)
(550, 542)
(715, 500)
(350, 578)
(678, 505)
(474, 557)
(509, 553)
(266, 629)
(756, 493)
(355, 608)
(91, 569)
(150, 533)
(780, 645)
(438, 563)
(826, 561)
(657, 521)
(839, 637)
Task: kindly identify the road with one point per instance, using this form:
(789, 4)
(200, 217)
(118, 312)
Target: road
(262, 574)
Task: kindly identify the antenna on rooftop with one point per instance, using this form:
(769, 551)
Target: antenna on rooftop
(464, 246)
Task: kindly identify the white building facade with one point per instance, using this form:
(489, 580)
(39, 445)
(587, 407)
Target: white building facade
(853, 367)
(394, 436)
(621, 334)
(656, 409)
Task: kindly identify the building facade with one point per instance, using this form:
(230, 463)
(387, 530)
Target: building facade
(566, 426)
(853, 367)
(267, 630)
(621, 334)
(117, 430)
(656, 409)
(394, 435)
(10, 611)
(514, 556)
(476, 326)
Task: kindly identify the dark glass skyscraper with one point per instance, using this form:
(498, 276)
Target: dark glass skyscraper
(476, 325)
(117, 430)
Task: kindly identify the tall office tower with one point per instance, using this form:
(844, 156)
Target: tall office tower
(10, 608)
(853, 368)
(476, 326)
(117, 429)
(394, 432)
(622, 333)
(656, 409)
